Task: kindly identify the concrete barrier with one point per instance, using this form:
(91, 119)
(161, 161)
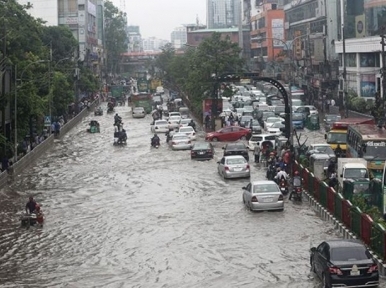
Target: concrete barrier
(343, 230)
(39, 150)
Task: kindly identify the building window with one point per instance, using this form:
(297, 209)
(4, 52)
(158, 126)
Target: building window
(72, 5)
(369, 60)
(351, 60)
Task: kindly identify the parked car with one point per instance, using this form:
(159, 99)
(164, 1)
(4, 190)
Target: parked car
(263, 195)
(188, 131)
(238, 148)
(202, 151)
(233, 167)
(160, 126)
(344, 263)
(297, 121)
(138, 112)
(229, 134)
(180, 141)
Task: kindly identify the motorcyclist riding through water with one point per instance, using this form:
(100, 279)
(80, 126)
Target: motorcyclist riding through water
(155, 141)
(117, 119)
(169, 135)
(192, 124)
(296, 183)
(281, 174)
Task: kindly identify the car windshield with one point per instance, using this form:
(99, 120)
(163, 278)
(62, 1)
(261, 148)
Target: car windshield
(246, 118)
(185, 130)
(277, 125)
(235, 161)
(347, 254)
(255, 123)
(180, 137)
(268, 114)
(161, 123)
(201, 146)
(236, 147)
(256, 138)
(324, 149)
(264, 188)
(332, 118)
(297, 117)
(273, 120)
(174, 118)
(355, 173)
(335, 138)
(138, 109)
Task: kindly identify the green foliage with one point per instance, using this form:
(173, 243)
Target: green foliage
(116, 36)
(62, 93)
(361, 201)
(88, 81)
(62, 41)
(192, 72)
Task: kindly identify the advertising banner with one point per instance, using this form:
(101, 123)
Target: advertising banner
(207, 105)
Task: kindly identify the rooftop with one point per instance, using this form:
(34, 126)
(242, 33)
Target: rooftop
(220, 30)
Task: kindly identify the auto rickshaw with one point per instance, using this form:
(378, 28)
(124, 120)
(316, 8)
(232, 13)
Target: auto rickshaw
(319, 164)
(312, 122)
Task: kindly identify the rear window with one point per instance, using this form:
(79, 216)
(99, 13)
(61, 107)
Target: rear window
(264, 188)
(161, 123)
(256, 138)
(236, 147)
(187, 129)
(235, 161)
(180, 137)
(201, 146)
(349, 254)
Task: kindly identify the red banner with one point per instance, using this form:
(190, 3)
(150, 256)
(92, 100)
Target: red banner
(207, 108)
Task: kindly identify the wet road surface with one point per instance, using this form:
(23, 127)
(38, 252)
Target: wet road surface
(137, 217)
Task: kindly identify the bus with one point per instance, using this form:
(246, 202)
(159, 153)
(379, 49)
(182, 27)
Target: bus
(338, 133)
(367, 141)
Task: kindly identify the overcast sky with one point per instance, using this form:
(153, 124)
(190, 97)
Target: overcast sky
(158, 18)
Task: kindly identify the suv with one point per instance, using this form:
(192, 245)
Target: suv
(236, 149)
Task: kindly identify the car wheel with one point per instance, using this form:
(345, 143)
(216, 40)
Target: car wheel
(243, 138)
(324, 281)
(214, 139)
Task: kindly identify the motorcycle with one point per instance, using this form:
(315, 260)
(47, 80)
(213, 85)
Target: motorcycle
(271, 172)
(297, 194)
(283, 186)
(32, 219)
(155, 144)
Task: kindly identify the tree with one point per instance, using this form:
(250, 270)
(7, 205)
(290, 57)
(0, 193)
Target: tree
(116, 36)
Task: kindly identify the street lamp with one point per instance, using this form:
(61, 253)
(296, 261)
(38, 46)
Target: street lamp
(15, 103)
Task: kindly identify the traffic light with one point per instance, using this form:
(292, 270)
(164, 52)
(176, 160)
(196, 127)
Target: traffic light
(287, 126)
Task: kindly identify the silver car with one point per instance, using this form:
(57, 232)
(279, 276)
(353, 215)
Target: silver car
(181, 141)
(138, 112)
(233, 167)
(263, 195)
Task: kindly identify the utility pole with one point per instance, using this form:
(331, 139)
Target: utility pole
(49, 86)
(344, 62)
(383, 43)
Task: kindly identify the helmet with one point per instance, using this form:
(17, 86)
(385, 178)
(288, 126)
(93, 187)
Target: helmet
(296, 173)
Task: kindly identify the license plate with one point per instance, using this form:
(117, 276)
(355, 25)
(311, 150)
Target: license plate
(238, 169)
(267, 200)
(201, 153)
(355, 273)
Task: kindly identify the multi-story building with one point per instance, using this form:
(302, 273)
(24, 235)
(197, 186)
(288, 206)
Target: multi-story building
(362, 22)
(305, 24)
(83, 17)
(153, 44)
(267, 31)
(223, 13)
(135, 39)
(179, 37)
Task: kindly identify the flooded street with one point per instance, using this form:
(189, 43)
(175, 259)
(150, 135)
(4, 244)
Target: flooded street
(139, 217)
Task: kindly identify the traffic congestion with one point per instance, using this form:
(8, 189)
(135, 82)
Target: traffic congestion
(146, 211)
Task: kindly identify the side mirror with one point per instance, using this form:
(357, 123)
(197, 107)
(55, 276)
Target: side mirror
(313, 249)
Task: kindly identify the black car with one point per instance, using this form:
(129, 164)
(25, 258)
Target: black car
(202, 151)
(344, 263)
(245, 121)
(236, 149)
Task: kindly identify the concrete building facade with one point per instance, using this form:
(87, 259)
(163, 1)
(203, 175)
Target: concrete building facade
(179, 37)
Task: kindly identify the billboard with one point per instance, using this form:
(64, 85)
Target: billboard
(207, 106)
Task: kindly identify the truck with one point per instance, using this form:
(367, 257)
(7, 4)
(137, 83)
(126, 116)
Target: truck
(142, 100)
(354, 169)
(338, 133)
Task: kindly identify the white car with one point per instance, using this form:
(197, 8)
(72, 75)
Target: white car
(275, 128)
(174, 122)
(174, 114)
(271, 120)
(258, 139)
(185, 122)
(138, 112)
(181, 141)
(160, 126)
(188, 131)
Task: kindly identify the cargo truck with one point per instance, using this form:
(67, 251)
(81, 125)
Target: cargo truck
(354, 169)
(144, 100)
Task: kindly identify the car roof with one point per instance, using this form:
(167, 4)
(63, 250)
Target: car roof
(336, 243)
(163, 121)
(234, 144)
(262, 182)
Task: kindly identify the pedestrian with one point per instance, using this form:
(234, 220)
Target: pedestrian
(256, 152)
(4, 163)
